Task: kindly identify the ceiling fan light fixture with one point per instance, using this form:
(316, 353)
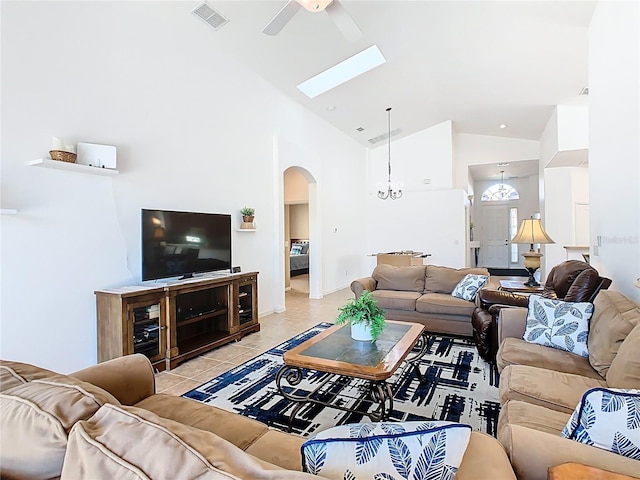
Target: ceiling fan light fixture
(315, 5)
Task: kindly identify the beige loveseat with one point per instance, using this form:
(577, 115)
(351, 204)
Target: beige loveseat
(541, 386)
(422, 294)
(107, 422)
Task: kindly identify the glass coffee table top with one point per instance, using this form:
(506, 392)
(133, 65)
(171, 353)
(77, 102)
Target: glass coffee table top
(341, 347)
(335, 351)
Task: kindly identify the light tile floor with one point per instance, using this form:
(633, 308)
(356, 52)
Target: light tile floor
(301, 314)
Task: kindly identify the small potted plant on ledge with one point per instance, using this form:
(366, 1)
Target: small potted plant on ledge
(364, 315)
(247, 218)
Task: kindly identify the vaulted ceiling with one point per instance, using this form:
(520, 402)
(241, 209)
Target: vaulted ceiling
(477, 63)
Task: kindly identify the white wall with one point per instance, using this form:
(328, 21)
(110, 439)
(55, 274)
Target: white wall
(429, 217)
(614, 145)
(153, 82)
(573, 127)
(423, 155)
(565, 187)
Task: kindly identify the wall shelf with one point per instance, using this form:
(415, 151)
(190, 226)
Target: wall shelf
(8, 211)
(245, 230)
(72, 167)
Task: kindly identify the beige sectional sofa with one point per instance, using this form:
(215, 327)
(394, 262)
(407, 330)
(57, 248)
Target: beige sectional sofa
(422, 294)
(541, 386)
(107, 422)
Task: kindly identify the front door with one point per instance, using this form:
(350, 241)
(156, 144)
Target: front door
(495, 244)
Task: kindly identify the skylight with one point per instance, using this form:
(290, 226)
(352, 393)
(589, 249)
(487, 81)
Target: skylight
(343, 72)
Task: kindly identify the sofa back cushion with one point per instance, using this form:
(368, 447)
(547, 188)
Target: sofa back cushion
(408, 279)
(444, 279)
(614, 317)
(625, 367)
(37, 413)
(121, 442)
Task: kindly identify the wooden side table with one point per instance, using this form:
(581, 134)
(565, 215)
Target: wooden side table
(577, 471)
(519, 287)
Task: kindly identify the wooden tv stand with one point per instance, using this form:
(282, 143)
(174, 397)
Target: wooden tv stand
(175, 322)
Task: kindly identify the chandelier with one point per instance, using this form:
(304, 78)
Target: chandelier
(502, 190)
(389, 190)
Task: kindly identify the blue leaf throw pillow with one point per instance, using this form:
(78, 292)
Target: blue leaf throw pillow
(387, 451)
(607, 418)
(558, 324)
(468, 287)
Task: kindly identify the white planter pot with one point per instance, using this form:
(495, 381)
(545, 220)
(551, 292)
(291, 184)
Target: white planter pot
(361, 331)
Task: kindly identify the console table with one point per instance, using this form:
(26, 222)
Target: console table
(175, 322)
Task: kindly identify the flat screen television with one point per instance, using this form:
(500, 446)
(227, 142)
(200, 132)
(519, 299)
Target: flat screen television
(179, 244)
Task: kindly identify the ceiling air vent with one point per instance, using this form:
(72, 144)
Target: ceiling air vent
(584, 91)
(211, 16)
(383, 136)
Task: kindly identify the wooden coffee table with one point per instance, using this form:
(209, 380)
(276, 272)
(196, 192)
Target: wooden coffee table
(577, 471)
(333, 351)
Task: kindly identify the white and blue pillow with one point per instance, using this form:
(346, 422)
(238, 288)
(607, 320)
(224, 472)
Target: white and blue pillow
(558, 324)
(296, 250)
(607, 418)
(387, 451)
(468, 287)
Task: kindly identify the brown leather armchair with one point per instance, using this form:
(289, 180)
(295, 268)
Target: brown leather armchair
(571, 281)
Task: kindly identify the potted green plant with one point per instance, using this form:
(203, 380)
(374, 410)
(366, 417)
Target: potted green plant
(365, 316)
(247, 217)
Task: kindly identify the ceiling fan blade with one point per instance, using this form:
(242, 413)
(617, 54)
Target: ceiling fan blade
(343, 21)
(278, 22)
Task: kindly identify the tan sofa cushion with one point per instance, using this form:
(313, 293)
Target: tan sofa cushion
(390, 277)
(37, 416)
(444, 279)
(16, 373)
(287, 455)
(442, 303)
(391, 299)
(240, 430)
(476, 464)
(625, 368)
(547, 388)
(110, 443)
(531, 437)
(515, 351)
(613, 319)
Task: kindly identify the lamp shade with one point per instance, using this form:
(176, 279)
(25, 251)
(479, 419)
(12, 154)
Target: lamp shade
(531, 231)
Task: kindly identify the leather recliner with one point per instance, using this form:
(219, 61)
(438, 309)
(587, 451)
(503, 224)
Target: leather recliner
(571, 281)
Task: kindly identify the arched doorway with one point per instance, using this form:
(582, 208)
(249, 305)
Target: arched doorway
(299, 268)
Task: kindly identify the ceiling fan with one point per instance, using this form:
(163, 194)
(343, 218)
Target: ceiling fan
(334, 8)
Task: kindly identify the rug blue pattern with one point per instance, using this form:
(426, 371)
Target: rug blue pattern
(460, 387)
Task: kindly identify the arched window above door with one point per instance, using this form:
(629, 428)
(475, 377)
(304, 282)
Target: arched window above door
(499, 192)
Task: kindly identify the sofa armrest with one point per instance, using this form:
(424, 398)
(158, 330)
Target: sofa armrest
(362, 284)
(512, 322)
(532, 452)
(491, 296)
(129, 378)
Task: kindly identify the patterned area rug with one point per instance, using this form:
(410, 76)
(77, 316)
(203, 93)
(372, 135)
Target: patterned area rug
(460, 387)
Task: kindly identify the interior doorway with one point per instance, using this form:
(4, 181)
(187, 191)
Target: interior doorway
(297, 236)
(495, 227)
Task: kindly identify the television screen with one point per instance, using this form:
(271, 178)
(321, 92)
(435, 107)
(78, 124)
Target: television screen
(183, 243)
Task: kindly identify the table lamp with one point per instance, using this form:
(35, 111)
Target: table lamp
(531, 232)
